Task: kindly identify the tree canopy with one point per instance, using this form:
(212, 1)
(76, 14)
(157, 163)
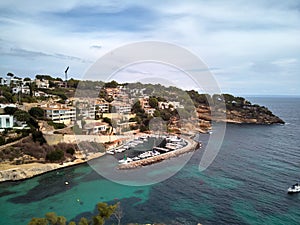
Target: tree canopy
(105, 211)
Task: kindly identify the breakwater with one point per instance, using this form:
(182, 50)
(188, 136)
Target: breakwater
(191, 146)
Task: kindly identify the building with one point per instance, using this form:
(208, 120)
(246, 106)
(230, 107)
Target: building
(6, 121)
(8, 81)
(41, 94)
(144, 102)
(96, 127)
(60, 113)
(23, 89)
(102, 107)
(150, 111)
(42, 83)
(113, 92)
(173, 104)
(120, 107)
(2, 106)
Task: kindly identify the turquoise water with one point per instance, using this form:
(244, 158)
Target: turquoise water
(246, 184)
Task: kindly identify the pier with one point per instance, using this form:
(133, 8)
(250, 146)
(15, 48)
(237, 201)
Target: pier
(190, 147)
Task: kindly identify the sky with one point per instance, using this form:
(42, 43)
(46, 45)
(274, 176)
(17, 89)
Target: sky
(251, 47)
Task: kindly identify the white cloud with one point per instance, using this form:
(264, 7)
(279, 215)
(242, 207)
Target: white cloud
(241, 39)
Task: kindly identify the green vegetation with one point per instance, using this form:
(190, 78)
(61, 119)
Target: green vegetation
(37, 112)
(107, 120)
(39, 152)
(37, 136)
(199, 99)
(105, 211)
(56, 155)
(10, 110)
(71, 151)
(153, 102)
(47, 77)
(60, 92)
(56, 125)
(111, 84)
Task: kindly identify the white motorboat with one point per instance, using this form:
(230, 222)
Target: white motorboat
(125, 160)
(120, 150)
(294, 189)
(111, 152)
(145, 155)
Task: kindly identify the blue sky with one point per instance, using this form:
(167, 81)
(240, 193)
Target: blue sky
(252, 47)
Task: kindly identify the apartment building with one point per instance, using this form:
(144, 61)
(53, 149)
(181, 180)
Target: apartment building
(60, 113)
(120, 107)
(6, 121)
(42, 83)
(23, 89)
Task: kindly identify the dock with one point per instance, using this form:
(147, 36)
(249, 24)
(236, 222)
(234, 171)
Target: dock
(190, 147)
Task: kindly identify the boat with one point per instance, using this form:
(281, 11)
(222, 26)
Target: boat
(120, 150)
(155, 153)
(125, 161)
(145, 155)
(294, 189)
(111, 152)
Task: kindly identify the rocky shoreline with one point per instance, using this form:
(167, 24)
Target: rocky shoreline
(10, 172)
(25, 171)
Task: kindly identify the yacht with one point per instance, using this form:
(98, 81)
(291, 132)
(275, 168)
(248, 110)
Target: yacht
(120, 150)
(135, 158)
(125, 160)
(111, 152)
(294, 189)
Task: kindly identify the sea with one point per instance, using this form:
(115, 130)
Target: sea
(246, 183)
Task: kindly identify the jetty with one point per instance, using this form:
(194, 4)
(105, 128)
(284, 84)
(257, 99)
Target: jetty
(190, 147)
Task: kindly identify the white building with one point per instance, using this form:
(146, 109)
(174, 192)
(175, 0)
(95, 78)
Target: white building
(42, 83)
(2, 106)
(102, 107)
(60, 113)
(150, 111)
(7, 81)
(6, 121)
(165, 105)
(41, 94)
(24, 90)
(96, 127)
(120, 107)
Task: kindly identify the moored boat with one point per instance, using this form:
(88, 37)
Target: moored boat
(111, 152)
(294, 188)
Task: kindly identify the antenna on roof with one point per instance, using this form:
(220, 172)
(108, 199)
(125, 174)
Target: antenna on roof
(66, 76)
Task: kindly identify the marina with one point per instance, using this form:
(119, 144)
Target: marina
(148, 149)
(157, 154)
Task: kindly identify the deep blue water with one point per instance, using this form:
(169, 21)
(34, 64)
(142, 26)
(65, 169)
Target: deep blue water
(246, 184)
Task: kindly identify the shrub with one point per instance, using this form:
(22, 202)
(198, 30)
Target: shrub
(37, 136)
(70, 151)
(56, 155)
(56, 125)
(37, 112)
(2, 140)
